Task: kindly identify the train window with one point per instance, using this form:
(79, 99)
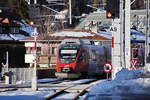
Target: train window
(84, 56)
(68, 53)
(68, 56)
(93, 55)
(38, 50)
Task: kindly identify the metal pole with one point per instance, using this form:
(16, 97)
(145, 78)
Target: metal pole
(7, 60)
(7, 78)
(70, 12)
(48, 54)
(34, 79)
(35, 1)
(117, 43)
(122, 40)
(147, 32)
(127, 34)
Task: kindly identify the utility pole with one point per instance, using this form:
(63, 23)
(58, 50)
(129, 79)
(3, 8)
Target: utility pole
(147, 51)
(127, 34)
(115, 12)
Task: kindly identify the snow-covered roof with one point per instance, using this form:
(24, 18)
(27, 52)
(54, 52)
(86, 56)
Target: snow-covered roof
(18, 36)
(105, 34)
(136, 36)
(25, 28)
(12, 36)
(61, 35)
(72, 34)
(5, 37)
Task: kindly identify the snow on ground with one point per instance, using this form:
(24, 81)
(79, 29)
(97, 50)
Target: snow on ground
(26, 94)
(46, 80)
(126, 82)
(77, 82)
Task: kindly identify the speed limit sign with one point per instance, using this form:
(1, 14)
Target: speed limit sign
(107, 67)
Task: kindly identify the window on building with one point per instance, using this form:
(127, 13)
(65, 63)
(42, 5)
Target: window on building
(14, 30)
(38, 50)
(1, 31)
(28, 50)
(54, 50)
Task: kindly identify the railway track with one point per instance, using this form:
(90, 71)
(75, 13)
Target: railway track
(14, 87)
(62, 88)
(28, 85)
(73, 91)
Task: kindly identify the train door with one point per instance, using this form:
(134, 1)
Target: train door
(83, 60)
(92, 61)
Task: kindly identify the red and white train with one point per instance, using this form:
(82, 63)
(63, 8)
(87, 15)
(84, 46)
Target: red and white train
(78, 57)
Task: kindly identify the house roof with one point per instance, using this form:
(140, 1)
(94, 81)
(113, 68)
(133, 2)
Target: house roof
(9, 22)
(61, 35)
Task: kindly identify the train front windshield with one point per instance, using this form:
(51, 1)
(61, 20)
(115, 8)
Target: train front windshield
(68, 53)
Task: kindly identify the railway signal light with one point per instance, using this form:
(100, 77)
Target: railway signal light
(109, 14)
(112, 8)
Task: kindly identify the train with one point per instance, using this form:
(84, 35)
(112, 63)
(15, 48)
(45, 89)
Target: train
(80, 58)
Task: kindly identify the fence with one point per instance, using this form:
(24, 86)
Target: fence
(25, 74)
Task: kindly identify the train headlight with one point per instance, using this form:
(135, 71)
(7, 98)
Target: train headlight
(66, 69)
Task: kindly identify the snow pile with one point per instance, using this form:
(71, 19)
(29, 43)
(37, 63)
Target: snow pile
(126, 74)
(5, 37)
(126, 82)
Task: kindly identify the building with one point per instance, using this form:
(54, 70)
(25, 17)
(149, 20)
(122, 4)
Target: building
(47, 45)
(10, 33)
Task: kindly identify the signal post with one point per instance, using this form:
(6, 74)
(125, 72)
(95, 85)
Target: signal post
(120, 33)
